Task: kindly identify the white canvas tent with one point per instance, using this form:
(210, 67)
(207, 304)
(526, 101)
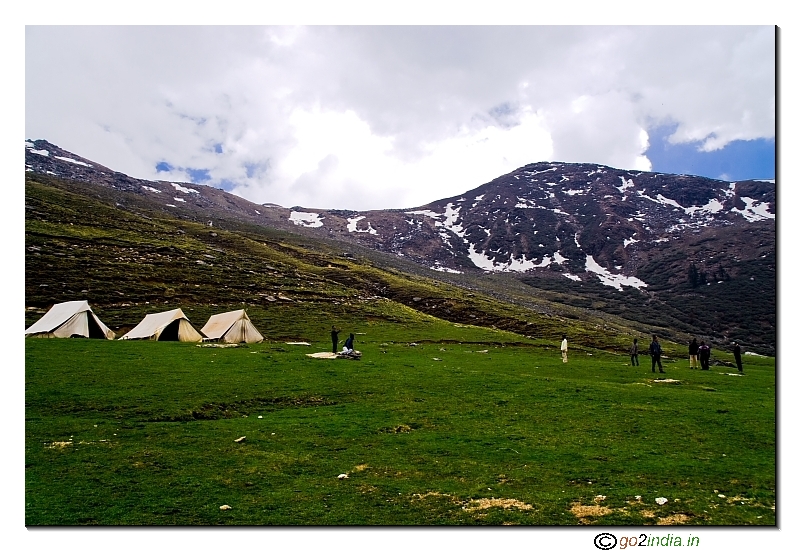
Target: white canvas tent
(69, 319)
(232, 327)
(167, 325)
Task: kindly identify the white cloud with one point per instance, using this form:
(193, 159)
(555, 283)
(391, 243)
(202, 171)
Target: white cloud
(374, 117)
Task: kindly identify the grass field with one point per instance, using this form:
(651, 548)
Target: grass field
(470, 426)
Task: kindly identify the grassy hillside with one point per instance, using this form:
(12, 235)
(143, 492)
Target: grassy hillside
(494, 430)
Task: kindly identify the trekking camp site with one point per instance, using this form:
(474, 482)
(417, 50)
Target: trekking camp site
(244, 421)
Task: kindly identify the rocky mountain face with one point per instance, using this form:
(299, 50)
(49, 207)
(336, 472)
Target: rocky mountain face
(574, 229)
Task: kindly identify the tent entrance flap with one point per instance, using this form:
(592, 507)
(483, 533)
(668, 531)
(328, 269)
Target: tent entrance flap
(170, 332)
(94, 328)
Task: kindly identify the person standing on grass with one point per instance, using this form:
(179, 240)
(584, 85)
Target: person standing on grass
(564, 349)
(705, 354)
(737, 355)
(693, 347)
(335, 337)
(635, 353)
(655, 354)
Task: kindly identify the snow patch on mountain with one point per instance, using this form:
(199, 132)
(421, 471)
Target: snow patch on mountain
(611, 279)
(443, 269)
(522, 202)
(712, 207)
(73, 161)
(182, 189)
(179, 199)
(519, 265)
(754, 211)
(625, 184)
(43, 152)
(352, 226)
(152, 189)
(573, 277)
(306, 219)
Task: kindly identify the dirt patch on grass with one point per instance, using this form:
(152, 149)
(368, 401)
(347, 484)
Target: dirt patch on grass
(583, 512)
(473, 505)
(360, 468)
(674, 519)
(59, 444)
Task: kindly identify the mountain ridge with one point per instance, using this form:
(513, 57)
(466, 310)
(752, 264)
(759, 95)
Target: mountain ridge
(560, 228)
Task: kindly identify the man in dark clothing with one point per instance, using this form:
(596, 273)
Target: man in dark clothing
(635, 353)
(737, 354)
(693, 347)
(705, 355)
(348, 344)
(655, 354)
(335, 337)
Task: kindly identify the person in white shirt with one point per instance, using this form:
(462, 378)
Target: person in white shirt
(564, 349)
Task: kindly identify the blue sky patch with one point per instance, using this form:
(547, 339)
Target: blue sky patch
(163, 167)
(198, 175)
(218, 148)
(226, 185)
(738, 160)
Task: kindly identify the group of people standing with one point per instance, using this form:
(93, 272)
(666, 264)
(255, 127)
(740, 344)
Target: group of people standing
(701, 351)
(654, 351)
(348, 344)
(697, 352)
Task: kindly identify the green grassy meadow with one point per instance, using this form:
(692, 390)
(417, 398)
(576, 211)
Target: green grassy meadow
(470, 426)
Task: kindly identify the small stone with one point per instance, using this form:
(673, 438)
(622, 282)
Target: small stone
(224, 507)
(260, 416)
(240, 439)
(661, 501)
(343, 476)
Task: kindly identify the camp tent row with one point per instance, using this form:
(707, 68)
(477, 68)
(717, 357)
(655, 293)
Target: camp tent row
(77, 319)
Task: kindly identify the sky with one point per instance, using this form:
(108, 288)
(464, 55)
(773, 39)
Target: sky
(370, 117)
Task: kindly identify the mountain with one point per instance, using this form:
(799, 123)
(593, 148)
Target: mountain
(684, 253)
